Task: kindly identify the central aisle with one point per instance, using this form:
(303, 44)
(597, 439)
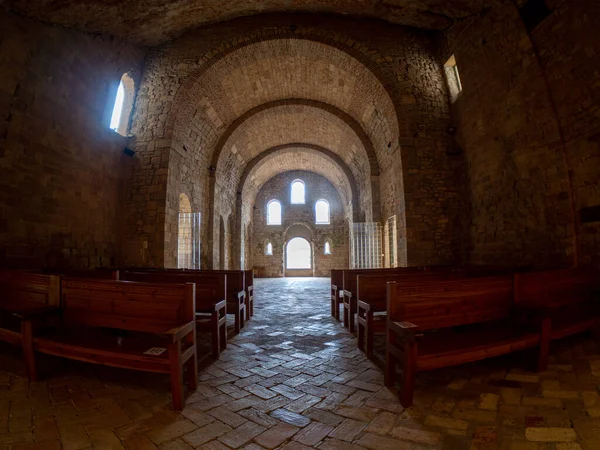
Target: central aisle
(295, 374)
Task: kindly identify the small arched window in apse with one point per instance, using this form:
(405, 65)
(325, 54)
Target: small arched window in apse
(322, 212)
(269, 249)
(327, 249)
(274, 213)
(298, 192)
(123, 105)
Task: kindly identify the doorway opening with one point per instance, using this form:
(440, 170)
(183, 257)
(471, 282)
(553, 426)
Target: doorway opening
(298, 254)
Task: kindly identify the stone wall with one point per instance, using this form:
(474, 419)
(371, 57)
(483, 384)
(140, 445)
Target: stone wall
(62, 168)
(184, 112)
(527, 121)
(299, 220)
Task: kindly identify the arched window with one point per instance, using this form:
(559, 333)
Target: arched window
(269, 249)
(123, 105)
(322, 212)
(274, 213)
(298, 192)
(298, 254)
(327, 249)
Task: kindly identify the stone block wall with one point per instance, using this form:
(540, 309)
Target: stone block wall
(299, 220)
(62, 169)
(417, 178)
(527, 122)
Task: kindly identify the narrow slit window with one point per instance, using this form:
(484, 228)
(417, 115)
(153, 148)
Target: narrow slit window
(322, 212)
(453, 78)
(121, 113)
(327, 249)
(274, 213)
(269, 249)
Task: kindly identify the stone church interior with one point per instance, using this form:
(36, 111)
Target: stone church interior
(333, 225)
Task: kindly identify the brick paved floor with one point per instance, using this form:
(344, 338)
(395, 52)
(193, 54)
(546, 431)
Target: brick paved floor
(294, 380)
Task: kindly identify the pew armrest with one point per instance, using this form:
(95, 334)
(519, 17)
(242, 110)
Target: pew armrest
(405, 330)
(34, 313)
(220, 305)
(178, 333)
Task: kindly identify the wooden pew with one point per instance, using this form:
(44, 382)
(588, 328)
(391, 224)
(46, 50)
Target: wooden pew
(211, 292)
(422, 317)
(371, 292)
(349, 292)
(149, 314)
(236, 296)
(24, 293)
(568, 298)
(337, 292)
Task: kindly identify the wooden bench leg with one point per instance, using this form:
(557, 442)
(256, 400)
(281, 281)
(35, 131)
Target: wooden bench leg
(351, 314)
(407, 385)
(369, 334)
(345, 313)
(192, 365)
(28, 353)
(247, 306)
(223, 337)
(176, 375)
(215, 332)
(242, 314)
(361, 331)
(238, 319)
(546, 331)
(390, 360)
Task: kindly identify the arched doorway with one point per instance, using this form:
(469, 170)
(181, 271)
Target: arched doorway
(298, 257)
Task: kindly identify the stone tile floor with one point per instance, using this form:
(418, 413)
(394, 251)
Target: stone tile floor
(293, 379)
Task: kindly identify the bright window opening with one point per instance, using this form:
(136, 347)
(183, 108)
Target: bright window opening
(274, 213)
(269, 249)
(298, 254)
(322, 212)
(327, 249)
(453, 78)
(121, 112)
(298, 192)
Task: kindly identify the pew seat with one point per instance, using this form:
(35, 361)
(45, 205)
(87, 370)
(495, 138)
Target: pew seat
(448, 347)
(101, 346)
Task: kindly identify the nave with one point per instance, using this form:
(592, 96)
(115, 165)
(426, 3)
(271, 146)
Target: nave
(294, 379)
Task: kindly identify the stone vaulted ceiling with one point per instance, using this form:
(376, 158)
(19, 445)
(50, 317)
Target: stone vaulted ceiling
(151, 22)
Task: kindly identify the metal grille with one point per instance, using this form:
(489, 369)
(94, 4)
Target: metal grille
(365, 239)
(391, 242)
(188, 241)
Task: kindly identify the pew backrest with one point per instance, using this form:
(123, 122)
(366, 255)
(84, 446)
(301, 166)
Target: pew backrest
(20, 291)
(147, 307)
(448, 303)
(555, 287)
(210, 288)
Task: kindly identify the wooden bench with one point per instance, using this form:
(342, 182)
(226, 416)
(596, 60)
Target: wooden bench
(148, 315)
(433, 325)
(236, 302)
(349, 292)
(337, 292)
(371, 290)
(371, 294)
(211, 292)
(24, 292)
(568, 298)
